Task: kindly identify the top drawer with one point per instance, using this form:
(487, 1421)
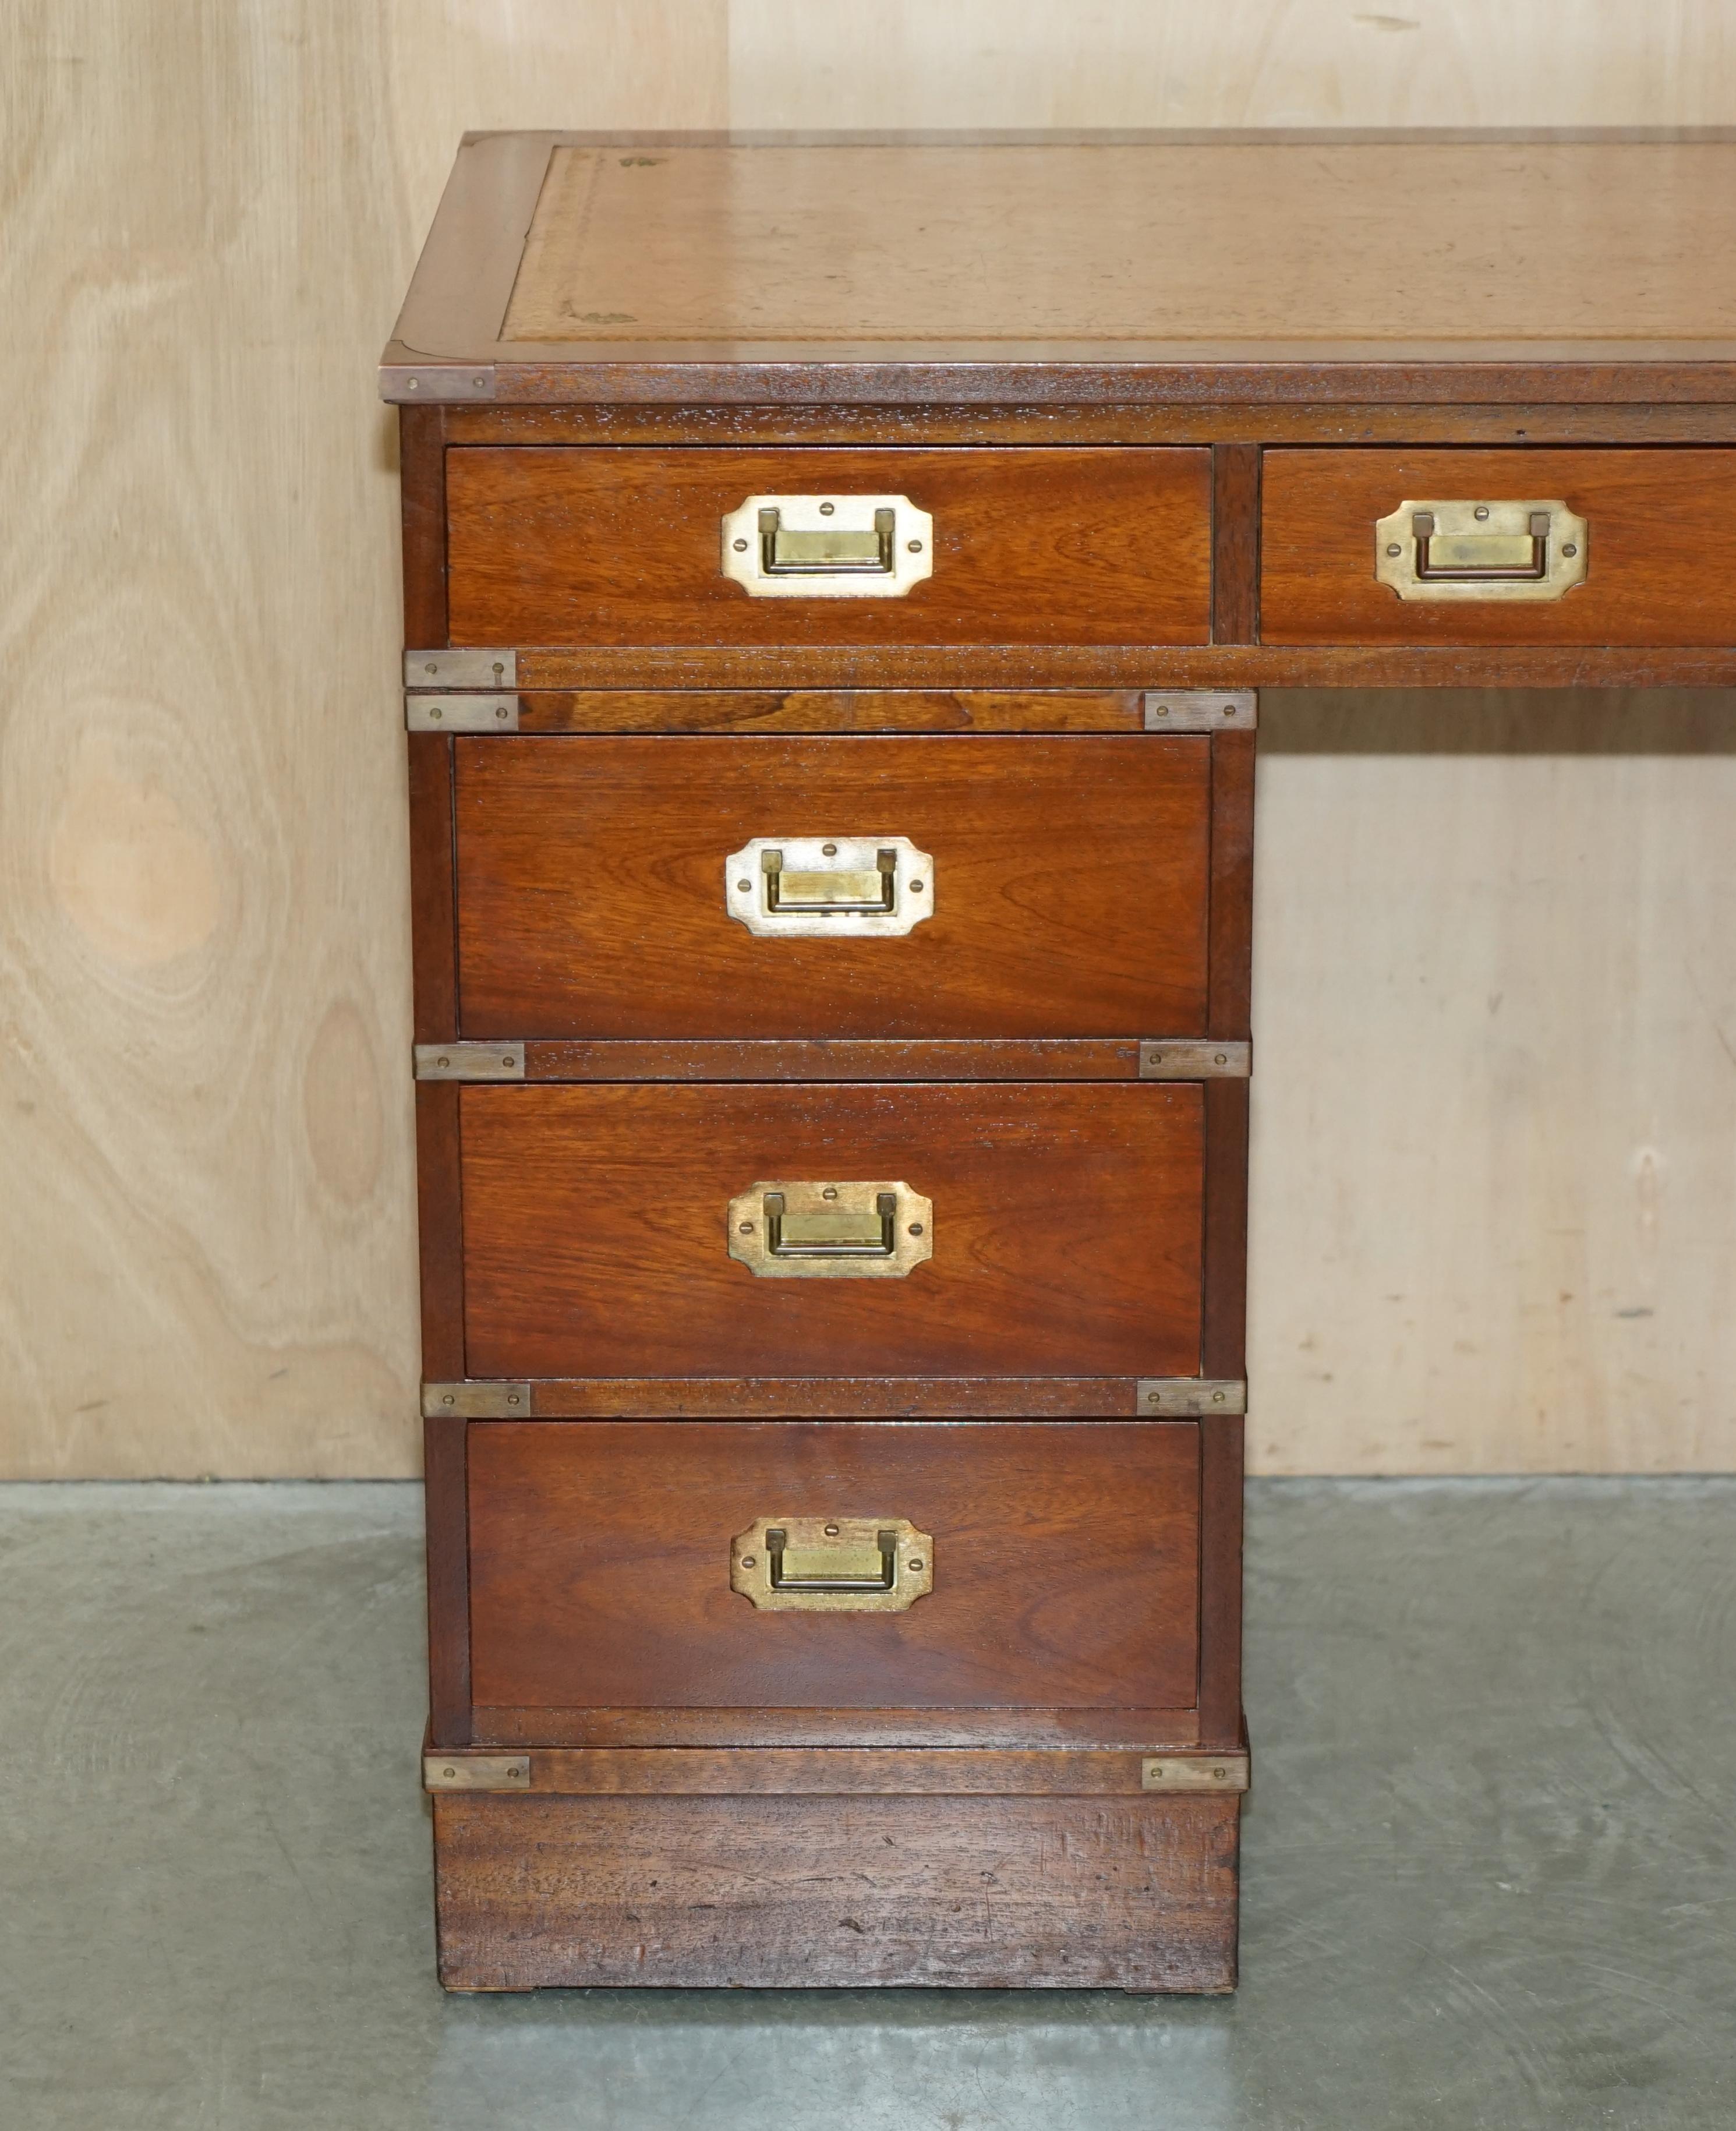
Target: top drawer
(1631, 547)
(617, 546)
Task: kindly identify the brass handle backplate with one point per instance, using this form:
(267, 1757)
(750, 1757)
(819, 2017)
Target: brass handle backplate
(828, 887)
(1467, 550)
(832, 1564)
(828, 547)
(822, 1231)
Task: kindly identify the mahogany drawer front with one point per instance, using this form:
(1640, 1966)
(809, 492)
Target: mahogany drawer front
(1660, 552)
(1064, 1573)
(600, 545)
(1065, 1229)
(1068, 887)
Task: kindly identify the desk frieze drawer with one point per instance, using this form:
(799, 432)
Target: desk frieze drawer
(1601, 546)
(622, 547)
(625, 887)
(626, 1231)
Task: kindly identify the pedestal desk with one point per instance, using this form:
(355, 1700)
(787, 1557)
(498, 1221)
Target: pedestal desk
(837, 579)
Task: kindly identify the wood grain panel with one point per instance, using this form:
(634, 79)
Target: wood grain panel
(1298, 63)
(1066, 1230)
(1601, 418)
(837, 711)
(1084, 1058)
(1495, 1112)
(844, 1771)
(592, 887)
(762, 1892)
(556, 545)
(834, 1398)
(1217, 666)
(193, 413)
(204, 963)
(1661, 546)
(536, 1725)
(1065, 1564)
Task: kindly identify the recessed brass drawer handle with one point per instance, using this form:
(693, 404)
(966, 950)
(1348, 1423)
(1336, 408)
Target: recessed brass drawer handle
(828, 547)
(832, 1564)
(821, 1231)
(828, 887)
(1481, 550)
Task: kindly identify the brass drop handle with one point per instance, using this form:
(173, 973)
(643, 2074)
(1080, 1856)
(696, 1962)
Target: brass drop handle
(826, 890)
(1464, 551)
(794, 550)
(828, 547)
(828, 887)
(858, 1230)
(832, 1564)
(1481, 557)
(815, 1230)
(857, 1563)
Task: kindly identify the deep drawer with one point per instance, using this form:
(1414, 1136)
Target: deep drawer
(1062, 1237)
(1657, 550)
(1040, 887)
(622, 546)
(1065, 1568)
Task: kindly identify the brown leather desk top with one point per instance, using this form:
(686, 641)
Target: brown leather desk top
(898, 269)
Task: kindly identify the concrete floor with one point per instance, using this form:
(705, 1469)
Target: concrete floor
(1489, 1879)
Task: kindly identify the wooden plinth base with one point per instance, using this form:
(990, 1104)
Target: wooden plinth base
(1135, 1893)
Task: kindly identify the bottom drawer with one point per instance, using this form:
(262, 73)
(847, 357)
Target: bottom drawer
(764, 1892)
(676, 1581)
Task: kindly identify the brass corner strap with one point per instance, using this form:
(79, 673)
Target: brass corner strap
(437, 384)
(1189, 1398)
(1202, 709)
(477, 1400)
(1194, 1772)
(476, 1772)
(468, 666)
(460, 714)
(469, 1061)
(1164, 1058)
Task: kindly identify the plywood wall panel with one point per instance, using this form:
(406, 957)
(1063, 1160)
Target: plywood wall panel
(1494, 1106)
(207, 1262)
(1232, 62)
